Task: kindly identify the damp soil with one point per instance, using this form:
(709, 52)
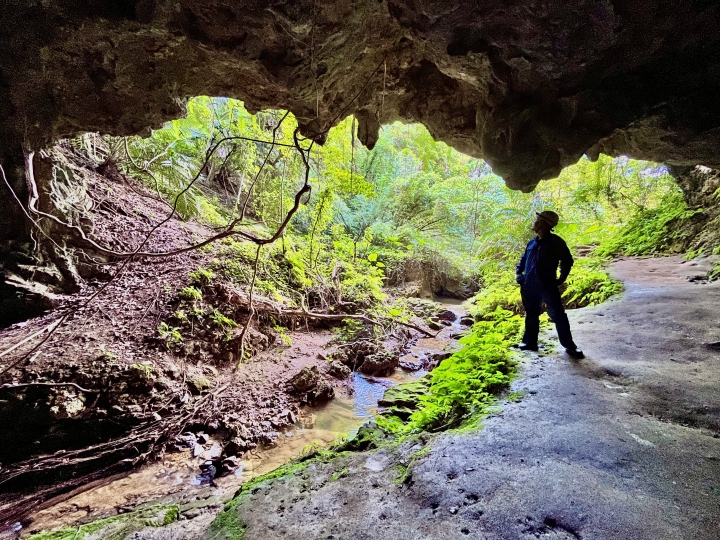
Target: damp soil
(107, 375)
(178, 479)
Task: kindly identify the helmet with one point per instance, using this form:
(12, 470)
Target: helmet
(549, 217)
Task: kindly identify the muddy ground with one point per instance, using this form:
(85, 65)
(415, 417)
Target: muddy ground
(624, 444)
(108, 374)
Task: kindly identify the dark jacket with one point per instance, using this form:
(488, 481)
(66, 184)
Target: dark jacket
(541, 260)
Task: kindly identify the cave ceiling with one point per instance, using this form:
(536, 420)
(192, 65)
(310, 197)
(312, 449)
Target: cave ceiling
(528, 85)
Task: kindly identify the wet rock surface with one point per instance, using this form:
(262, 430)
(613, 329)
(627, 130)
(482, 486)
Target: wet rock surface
(623, 444)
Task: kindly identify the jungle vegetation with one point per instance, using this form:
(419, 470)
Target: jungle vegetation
(409, 200)
(372, 216)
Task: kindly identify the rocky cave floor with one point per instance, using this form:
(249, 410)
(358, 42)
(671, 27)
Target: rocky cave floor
(624, 444)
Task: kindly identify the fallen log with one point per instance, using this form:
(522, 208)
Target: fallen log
(302, 313)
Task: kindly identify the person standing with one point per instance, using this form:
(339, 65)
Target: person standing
(536, 273)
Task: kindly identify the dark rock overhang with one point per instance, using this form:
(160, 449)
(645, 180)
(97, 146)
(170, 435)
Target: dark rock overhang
(529, 86)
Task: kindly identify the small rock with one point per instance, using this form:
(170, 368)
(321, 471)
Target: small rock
(322, 393)
(236, 446)
(192, 513)
(434, 325)
(208, 473)
(117, 409)
(339, 370)
(289, 415)
(202, 438)
(307, 422)
(467, 321)
(440, 356)
(453, 510)
(187, 439)
(380, 364)
(197, 450)
(411, 365)
(214, 452)
(230, 463)
(306, 379)
(447, 315)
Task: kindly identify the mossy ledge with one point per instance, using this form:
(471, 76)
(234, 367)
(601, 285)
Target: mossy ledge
(116, 527)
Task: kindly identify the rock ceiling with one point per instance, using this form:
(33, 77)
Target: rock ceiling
(528, 85)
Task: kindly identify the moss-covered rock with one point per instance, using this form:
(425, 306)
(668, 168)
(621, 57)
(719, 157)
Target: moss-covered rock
(402, 400)
(115, 527)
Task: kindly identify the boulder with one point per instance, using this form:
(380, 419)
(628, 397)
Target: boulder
(409, 363)
(380, 364)
(322, 393)
(402, 400)
(339, 370)
(305, 380)
(447, 315)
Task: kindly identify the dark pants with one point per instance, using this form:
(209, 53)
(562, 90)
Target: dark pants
(533, 294)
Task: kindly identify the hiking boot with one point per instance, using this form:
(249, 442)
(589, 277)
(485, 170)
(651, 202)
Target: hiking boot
(575, 353)
(527, 347)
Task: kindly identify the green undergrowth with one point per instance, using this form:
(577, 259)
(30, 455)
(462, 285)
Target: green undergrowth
(115, 527)
(651, 231)
(589, 284)
(464, 386)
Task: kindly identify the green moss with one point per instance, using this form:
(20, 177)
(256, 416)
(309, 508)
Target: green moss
(369, 436)
(342, 473)
(402, 475)
(463, 387)
(402, 400)
(516, 396)
(228, 525)
(116, 527)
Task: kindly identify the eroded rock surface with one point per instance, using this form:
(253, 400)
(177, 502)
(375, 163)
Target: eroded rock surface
(530, 86)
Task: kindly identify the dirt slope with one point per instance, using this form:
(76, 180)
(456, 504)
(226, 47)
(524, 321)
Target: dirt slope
(622, 445)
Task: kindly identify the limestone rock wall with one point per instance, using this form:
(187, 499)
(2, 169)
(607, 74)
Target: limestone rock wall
(528, 85)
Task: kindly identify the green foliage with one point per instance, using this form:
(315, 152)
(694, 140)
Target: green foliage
(501, 293)
(190, 293)
(221, 320)
(146, 368)
(170, 334)
(463, 386)
(202, 276)
(371, 212)
(589, 284)
(282, 332)
(348, 331)
(649, 231)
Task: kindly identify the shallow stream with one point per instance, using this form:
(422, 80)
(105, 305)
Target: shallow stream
(176, 479)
